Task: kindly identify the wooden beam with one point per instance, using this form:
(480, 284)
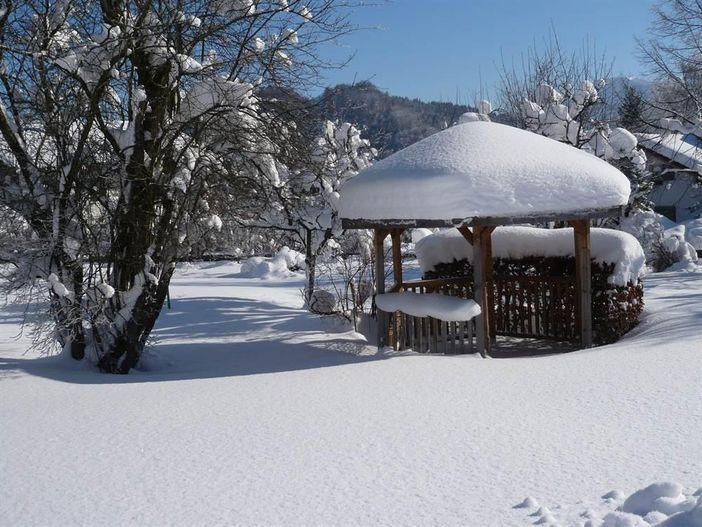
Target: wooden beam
(397, 257)
(544, 217)
(583, 280)
(379, 250)
(467, 234)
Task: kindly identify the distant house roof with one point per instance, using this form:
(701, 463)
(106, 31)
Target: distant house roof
(682, 148)
(482, 170)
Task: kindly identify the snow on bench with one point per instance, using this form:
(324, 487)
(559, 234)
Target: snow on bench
(434, 305)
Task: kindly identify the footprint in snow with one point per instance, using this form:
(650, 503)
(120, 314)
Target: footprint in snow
(527, 503)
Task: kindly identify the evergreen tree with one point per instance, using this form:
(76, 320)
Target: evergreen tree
(631, 110)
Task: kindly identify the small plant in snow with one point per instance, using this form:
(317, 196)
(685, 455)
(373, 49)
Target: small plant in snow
(349, 279)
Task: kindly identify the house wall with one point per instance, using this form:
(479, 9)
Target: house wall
(678, 192)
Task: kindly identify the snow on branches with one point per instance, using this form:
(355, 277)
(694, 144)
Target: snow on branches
(307, 194)
(566, 117)
(128, 131)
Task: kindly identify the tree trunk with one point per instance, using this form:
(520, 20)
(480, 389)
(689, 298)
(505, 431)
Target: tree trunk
(310, 266)
(127, 348)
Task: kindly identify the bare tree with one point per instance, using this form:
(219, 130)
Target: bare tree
(674, 54)
(564, 72)
(560, 95)
(126, 127)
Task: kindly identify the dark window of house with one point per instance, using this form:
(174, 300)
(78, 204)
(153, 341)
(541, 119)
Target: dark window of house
(668, 212)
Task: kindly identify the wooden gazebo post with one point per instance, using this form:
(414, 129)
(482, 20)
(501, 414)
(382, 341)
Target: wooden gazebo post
(482, 284)
(396, 235)
(583, 280)
(380, 235)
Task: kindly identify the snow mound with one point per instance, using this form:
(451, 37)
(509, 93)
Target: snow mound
(527, 503)
(481, 169)
(691, 518)
(623, 519)
(542, 511)
(607, 246)
(613, 495)
(546, 519)
(322, 302)
(420, 234)
(644, 501)
(442, 307)
(663, 504)
(281, 265)
(655, 517)
(294, 259)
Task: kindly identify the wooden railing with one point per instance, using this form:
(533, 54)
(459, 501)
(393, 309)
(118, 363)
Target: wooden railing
(426, 334)
(524, 306)
(460, 287)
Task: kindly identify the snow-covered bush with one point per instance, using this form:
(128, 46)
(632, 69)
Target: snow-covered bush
(322, 302)
(618, 264)
(282, 265)
(673, 250)
(645, 226)
(349, 275)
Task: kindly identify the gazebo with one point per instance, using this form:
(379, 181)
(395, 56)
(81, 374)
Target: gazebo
(475, 177)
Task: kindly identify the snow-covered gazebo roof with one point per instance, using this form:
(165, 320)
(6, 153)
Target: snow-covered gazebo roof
(482, 171)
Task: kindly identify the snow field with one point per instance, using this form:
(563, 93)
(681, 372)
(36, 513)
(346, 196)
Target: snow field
(255, 412)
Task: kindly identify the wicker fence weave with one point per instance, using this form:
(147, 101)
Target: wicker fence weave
(535, 297)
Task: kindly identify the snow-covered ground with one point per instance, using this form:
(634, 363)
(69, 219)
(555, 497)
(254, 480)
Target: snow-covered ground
(255, 412)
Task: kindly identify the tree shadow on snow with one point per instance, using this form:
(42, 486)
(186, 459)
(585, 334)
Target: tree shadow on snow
(214, 337)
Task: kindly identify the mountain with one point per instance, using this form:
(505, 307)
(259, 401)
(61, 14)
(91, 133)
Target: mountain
(393, 123)
(390, 122)
(615, 89)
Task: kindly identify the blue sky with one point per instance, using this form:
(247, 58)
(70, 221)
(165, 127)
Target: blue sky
(443, 49)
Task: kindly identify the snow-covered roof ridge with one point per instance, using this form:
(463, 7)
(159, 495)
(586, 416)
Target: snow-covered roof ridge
(683, 148)
(606, 245)
(483, 169)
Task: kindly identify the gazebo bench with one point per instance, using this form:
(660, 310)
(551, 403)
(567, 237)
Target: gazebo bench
(427, 323)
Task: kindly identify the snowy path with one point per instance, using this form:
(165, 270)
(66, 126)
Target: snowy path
(255, 414)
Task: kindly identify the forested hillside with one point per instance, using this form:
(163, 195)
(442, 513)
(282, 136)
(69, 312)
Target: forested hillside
(390, 122)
